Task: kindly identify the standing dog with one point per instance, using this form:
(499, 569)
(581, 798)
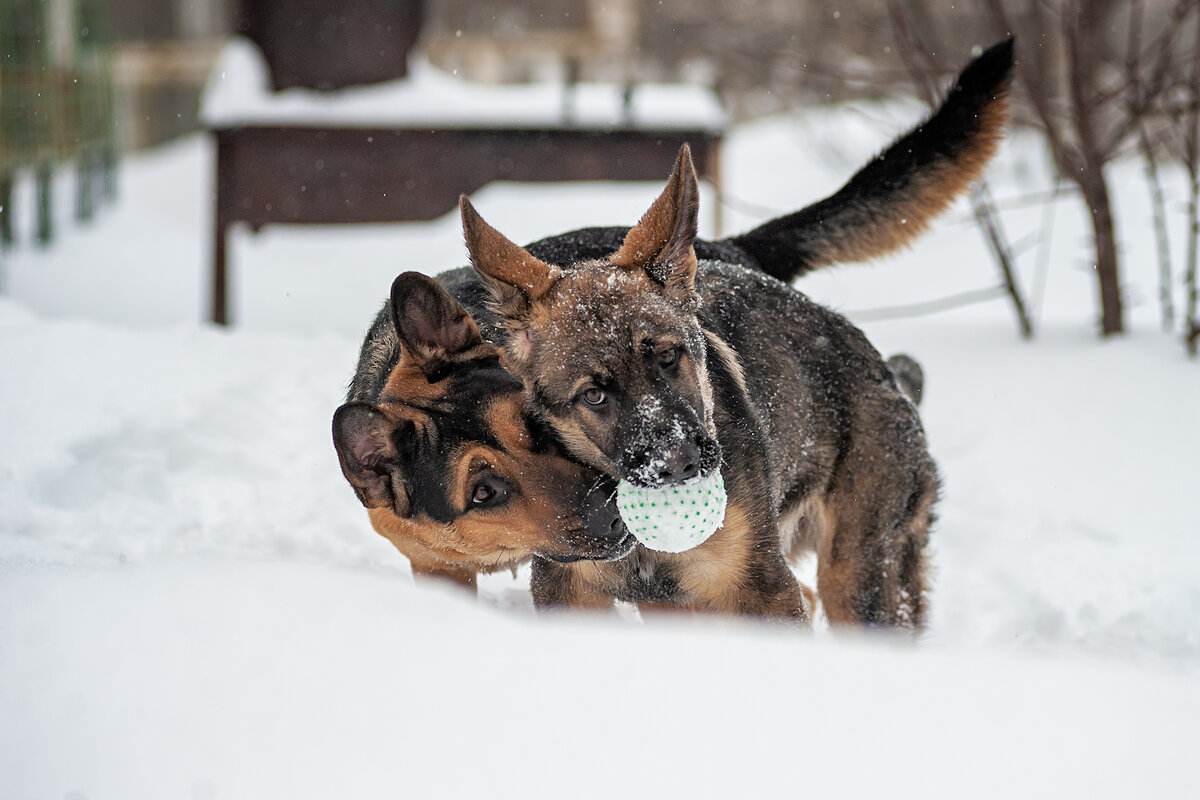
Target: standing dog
(808, 415)
(655, 364)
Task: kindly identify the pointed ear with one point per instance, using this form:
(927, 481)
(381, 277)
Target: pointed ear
(365, 442)
(661, 242)
(515, 277)
(431, 325)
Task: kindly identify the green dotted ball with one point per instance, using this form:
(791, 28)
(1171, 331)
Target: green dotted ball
(675, 518)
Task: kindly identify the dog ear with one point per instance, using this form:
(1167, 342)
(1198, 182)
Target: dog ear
(661, 242)
(515, 277)
(431, 325)
(366, 446)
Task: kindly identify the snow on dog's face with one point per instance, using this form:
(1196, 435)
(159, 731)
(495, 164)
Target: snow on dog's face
(451, 466)
(611, 351)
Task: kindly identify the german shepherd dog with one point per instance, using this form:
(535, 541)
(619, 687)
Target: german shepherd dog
(438, 445)
(648, 355)
(656, 364)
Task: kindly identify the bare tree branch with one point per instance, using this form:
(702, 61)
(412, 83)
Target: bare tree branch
(923, 68)
(928, 307)
(1040, 100)
(1138, 106)
(1159, 207)
(1192, 161)
(1002, 253)
(1146, 92)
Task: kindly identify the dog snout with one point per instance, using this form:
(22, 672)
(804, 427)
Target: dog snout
(673, 462)
(680, 464)
(605, 523)
(602, 519)
(710, 454)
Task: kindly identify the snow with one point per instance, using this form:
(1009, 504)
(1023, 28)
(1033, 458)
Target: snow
(270, 680)
(239, 93)
(193, 604)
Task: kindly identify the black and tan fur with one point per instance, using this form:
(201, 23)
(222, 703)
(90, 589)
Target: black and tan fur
(438, 444)
(815, 437)
(653, 363)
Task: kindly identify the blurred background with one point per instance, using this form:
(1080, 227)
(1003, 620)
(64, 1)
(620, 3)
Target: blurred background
(84, 82)
(760, 55)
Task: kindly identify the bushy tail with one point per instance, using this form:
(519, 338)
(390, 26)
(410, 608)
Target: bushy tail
(893, 199)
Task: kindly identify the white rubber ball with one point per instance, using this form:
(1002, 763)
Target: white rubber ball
(674, 518)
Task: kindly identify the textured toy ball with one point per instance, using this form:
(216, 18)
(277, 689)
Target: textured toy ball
(673, 518)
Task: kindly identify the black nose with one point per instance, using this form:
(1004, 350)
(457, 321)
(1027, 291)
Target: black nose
(680, 464)
(601, 518)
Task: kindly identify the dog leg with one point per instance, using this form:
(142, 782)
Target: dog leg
(871, 566)
(914, 566)
(445, 574)
(778, 595)
(655, 610)
(568, 586)
(734, 573)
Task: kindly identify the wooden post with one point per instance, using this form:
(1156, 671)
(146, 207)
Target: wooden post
(45, 224)
(220, 313)
(6, 214)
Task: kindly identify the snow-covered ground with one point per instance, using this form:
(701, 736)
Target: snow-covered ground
(192, 603)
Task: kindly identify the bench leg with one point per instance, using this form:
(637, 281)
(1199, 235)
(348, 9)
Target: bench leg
(6, 212)
(219, 274)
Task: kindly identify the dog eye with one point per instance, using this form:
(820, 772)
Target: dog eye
(668, 357)
(594, 396)
(488, 492)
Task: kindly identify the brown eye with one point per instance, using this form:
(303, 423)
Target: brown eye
(668, 357)
(594, 397)
(488, 492)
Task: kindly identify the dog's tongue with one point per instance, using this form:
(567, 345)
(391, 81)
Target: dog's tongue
(673, 518)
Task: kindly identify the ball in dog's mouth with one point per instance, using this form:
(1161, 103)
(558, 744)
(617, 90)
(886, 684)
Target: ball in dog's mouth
(673, 518)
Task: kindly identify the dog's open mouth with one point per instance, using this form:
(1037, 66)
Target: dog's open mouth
(624, 547)
(603, 550)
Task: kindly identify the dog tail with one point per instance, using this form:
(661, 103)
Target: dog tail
(893, 199)
(909, 376)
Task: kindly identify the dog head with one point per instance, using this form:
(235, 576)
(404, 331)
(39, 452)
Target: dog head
(452, 468)
(611, 351)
